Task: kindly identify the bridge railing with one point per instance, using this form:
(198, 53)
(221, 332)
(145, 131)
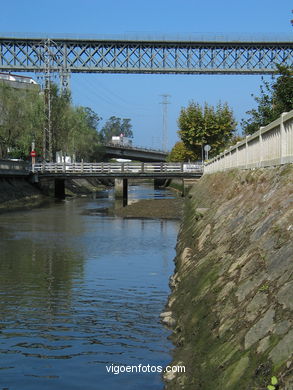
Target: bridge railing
(270, 146)
(112, 168)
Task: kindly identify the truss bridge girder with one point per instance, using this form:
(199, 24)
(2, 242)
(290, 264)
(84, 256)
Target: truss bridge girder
(102, 56)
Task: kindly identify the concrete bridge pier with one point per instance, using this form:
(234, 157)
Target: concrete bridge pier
(59, 191)
(51, 187)
(121, 190)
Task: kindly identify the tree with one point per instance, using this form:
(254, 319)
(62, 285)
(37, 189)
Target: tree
(83, 141)
(206, 125)
(74, 128)
(180, 153)
(21, 120)
(275, 98)
(92, 118)
(116, 126)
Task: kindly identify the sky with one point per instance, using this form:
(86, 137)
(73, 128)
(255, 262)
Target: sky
(139, 97)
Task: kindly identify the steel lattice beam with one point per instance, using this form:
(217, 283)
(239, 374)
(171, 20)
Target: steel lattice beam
(109, 56)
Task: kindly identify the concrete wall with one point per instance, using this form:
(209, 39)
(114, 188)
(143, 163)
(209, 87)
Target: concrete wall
(8, 167)
(232, 298)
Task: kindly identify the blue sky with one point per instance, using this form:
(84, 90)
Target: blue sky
(138, 96)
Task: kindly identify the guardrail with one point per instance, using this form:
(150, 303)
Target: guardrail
(271, 145)
(112, 168)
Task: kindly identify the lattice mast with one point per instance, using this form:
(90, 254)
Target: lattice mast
(165, 103)
(47, 134)
(50, 57)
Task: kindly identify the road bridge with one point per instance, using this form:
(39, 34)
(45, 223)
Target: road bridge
(134, 153)
(120, 172)
(143, 56)
(125, 170)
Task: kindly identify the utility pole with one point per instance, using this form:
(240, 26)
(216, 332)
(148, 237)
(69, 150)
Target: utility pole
(47, 135)
(52, 62)
(165, 103)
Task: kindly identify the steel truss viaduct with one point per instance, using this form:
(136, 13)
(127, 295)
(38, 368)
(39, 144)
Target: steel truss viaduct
(143, 56)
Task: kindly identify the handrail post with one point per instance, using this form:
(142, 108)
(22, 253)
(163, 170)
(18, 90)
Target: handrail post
(82, 166)
(282, 139)
(142, 167)
(260, 146)
(246, 152)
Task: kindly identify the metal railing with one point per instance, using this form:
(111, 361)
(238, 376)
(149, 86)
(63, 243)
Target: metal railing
(270, 146)
(114, 168)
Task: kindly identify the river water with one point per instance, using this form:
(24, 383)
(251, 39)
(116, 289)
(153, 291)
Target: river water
(80, 291)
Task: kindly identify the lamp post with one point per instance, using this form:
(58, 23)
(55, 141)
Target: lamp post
(207, 148)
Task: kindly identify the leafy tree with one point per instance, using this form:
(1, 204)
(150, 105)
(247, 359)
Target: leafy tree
(92, 118)
(21, 120)
(83, 141)
(180, 153)
(206, 125)
(74, 128)
(116, 126)
(275, 98)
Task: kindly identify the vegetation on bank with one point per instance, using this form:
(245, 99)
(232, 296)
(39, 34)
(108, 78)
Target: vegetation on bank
(74, 128)
(210, 125)
(275, 98)
(216, 126)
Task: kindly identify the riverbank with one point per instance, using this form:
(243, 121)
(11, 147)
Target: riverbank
(18, 194)
(88, 186)
(231, 301)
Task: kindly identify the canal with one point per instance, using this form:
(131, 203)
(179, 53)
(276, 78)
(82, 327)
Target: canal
(81, 291)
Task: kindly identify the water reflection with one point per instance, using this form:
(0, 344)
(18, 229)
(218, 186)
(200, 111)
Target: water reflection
(80, 291)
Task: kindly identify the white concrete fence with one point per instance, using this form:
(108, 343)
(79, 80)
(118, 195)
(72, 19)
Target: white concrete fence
(269, 146)
(113, 168)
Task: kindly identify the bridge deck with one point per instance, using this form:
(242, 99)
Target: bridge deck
(115, 170)
(135, 153)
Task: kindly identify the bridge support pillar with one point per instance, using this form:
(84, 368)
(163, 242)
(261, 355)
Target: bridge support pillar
(121, 190)
(59, 188)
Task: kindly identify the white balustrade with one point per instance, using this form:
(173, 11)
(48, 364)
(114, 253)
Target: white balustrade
(270, 146)
(112, 168)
